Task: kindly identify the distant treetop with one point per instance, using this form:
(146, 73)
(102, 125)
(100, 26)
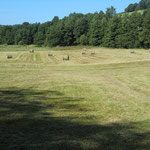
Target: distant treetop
(143, 4)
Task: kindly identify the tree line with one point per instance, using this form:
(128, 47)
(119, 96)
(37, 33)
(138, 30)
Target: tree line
(143, 4)
(98, 29)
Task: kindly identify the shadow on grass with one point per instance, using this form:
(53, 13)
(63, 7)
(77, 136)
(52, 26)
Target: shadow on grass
(25, 123)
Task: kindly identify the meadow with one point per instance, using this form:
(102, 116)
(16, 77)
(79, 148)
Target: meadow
(90, 102)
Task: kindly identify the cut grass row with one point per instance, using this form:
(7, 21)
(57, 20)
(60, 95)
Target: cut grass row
(102, 56)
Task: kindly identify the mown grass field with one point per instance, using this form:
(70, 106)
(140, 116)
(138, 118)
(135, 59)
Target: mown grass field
(87, 103)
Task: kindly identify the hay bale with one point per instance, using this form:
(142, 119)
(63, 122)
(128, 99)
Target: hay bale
(92, 52)
(66, 57)
(84, 49)
(132, 51)
(50, 54)
(9, 56)
(32, 51)
(83, 52)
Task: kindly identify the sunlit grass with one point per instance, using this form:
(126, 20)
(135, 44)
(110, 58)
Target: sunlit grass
(89, 102)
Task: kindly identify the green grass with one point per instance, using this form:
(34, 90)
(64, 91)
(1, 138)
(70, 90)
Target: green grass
(90, 102)
(29, 47)
(130, 13)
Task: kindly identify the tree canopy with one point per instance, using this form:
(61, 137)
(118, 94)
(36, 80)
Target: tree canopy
(106, 29)
(143, 4)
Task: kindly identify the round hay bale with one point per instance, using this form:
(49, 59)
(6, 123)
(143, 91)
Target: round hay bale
(84, 49)
(92, 52)
(32, 51)
(50, 54)
(83, 52)
(9, 56)
(66, 57)
(132, 51)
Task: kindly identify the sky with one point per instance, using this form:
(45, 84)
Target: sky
(32, 11)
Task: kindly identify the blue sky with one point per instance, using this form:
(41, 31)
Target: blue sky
(19, 11)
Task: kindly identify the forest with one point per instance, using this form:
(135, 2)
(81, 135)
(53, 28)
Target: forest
(130, 29)
(143, 4)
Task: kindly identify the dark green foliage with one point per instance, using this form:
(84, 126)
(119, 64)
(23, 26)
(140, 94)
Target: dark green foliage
(8, 35)
(39, 39)
(99, 29)
(54, 36)
(55, 20)
(80, 28)
(129, 31)
(144, 36)
(143, 4)
(69, 33)
(112, 32)
(110, 11)
(131, 7)
(83, 40)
